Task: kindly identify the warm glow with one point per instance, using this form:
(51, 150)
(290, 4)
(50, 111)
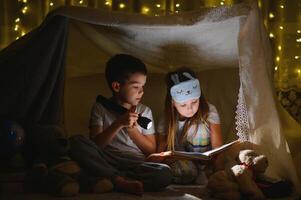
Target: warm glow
(16, 27)
(17, 38)
(107, 3)
(51, 4)
(298, 31)
(271, 15)
(298, 71)
(281, 27)
(177, 5)
(281, 6)
(298, 39)
(23, 33)
(81, 2)
(259, 4)
(279, 47)
(24, 1)
(276, 68)
(24, 10)
(297, 57)
(158, 5)
(121, 5)
(222, 3)
(17, 20)
(145, 10)
(277, 58)
(271, 35)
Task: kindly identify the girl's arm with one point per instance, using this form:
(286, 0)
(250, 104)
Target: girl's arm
(217, 141)
(216, 135)
(161, 143)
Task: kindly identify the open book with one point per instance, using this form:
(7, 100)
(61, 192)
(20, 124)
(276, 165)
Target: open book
(205, 156)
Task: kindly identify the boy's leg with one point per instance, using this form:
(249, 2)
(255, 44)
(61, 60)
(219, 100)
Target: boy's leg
(99, 164)
(155, 176)
(90, 157)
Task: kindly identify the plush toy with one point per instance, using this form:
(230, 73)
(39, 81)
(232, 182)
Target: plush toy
(54, 171)
(239, 180)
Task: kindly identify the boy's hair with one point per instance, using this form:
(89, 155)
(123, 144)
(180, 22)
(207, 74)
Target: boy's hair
(121, 66)
(171, 115)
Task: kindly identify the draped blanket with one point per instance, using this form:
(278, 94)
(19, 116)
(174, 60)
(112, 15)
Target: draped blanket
(33, 68)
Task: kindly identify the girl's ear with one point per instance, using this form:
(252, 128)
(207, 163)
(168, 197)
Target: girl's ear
(115, 86)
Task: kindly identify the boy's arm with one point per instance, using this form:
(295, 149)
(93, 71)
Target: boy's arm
(102, 138)
(147, 143)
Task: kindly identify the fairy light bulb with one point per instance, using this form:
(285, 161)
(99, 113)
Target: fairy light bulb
(271, 35)
(24, 9)
(145, 10)
(50, 4)
(122, 5)
(271, 15)
(158, 5)
(16, 28)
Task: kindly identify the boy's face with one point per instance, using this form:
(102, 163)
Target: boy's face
(132, 91)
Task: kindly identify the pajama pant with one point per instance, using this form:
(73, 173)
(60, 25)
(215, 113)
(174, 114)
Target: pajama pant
(99, 163)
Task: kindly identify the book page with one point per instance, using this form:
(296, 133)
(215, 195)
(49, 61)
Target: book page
(219, 149)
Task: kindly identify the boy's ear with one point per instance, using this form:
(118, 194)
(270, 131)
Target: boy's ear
(116, 86)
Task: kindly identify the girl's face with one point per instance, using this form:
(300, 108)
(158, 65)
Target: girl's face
(188, 108)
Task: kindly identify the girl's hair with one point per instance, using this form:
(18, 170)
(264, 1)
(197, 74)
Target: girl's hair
(171, 114)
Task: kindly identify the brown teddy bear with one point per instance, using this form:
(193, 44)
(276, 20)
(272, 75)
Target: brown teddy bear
(54, 171)
(239, 180)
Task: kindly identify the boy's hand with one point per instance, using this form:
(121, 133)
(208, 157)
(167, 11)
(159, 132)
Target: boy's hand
(129, 119)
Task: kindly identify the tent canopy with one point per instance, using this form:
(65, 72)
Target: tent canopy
(53, 74)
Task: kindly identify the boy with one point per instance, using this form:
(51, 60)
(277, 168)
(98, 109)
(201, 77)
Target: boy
(119, 144)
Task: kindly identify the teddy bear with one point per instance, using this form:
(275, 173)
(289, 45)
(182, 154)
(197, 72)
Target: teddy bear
(239, 180)
(53, 170)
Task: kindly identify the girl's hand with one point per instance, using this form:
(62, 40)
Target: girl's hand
(157, 157)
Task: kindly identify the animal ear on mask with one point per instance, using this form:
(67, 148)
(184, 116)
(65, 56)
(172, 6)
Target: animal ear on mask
(187, 75)
(175, 79)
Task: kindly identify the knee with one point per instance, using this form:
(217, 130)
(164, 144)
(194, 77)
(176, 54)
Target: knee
(80, 144)
(163, 177)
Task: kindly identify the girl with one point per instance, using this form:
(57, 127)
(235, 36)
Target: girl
(190, 124)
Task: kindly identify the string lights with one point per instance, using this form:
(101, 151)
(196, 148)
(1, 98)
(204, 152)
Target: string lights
(274, 14)
(18, 27)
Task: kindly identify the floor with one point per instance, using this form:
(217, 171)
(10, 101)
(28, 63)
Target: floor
(171, 193)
